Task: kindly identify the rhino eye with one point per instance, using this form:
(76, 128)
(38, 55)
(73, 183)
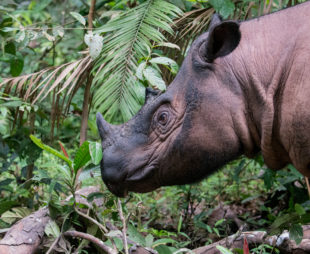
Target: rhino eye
(163, 118)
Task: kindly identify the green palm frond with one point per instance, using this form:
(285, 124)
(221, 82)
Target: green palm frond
(128, 38)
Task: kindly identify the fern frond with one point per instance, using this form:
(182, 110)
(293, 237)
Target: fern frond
(128, 38)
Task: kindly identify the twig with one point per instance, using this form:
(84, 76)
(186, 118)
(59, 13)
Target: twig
(120, 210)
(308, 185)
(92, 239)
(53, 245)
(103, 228)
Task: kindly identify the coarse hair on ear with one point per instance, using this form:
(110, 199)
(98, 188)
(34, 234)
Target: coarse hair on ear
(223, 38)
(150, 93)
(215, 20)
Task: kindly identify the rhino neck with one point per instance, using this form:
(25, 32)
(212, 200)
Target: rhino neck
(262, 64)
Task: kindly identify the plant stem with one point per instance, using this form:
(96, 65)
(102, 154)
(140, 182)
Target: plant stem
(92, 239)
(124, 230)
(92, 220)
(53, 245)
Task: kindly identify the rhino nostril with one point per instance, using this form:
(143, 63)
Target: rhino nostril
(113, 175)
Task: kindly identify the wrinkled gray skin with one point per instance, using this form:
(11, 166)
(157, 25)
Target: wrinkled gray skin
(243, 88)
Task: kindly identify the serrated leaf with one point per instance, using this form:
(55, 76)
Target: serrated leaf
(224, 250)
(154, 78)
(139, 72)
(296, 233)
(135, 236)
(50, 150)
(52, 229)
(82, 156)
(78, 17)
(95, 151)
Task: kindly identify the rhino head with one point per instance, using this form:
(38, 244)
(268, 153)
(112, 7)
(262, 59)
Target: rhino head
(184, 134)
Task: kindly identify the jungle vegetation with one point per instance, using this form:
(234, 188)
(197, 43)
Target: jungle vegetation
(63, 61)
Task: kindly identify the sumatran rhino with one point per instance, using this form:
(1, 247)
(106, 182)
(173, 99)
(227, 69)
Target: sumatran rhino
(242, 88)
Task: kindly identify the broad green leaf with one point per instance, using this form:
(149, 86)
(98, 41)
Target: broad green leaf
(135, 236)
(139, 72)
(78, 17)
(296, 233)
(154, 78)
(94, 195)
(299, 209)
(82, 156)
(50, 150)
(16, 214)
(224, 250)
(167, 62)
(149, 239)
(88, 173)
(16, 66)
(223, 7)
(7, 205)
(52, 229)
(10, 48)
(163, 249)
(95, 151)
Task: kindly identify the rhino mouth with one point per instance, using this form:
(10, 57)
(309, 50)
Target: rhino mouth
(118, 190)
(137, 181)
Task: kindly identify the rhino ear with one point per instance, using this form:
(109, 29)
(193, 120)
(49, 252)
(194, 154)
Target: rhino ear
(223, 38)
(216, 19)
(150, 93)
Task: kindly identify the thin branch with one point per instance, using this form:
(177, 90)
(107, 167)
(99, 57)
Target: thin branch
(124, 230)
(53, 245)
(103, 228)
(308, 185)
(92, 239)
(91, 14)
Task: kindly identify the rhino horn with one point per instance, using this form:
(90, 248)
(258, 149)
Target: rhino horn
(103, 126)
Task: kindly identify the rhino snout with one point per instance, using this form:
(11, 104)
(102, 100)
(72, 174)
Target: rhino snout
(112, 174)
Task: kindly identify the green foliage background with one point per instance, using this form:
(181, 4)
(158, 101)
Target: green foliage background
(44, 71)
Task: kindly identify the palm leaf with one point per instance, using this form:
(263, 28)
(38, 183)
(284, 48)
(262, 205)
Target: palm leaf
(62, 81)
(128, 38)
